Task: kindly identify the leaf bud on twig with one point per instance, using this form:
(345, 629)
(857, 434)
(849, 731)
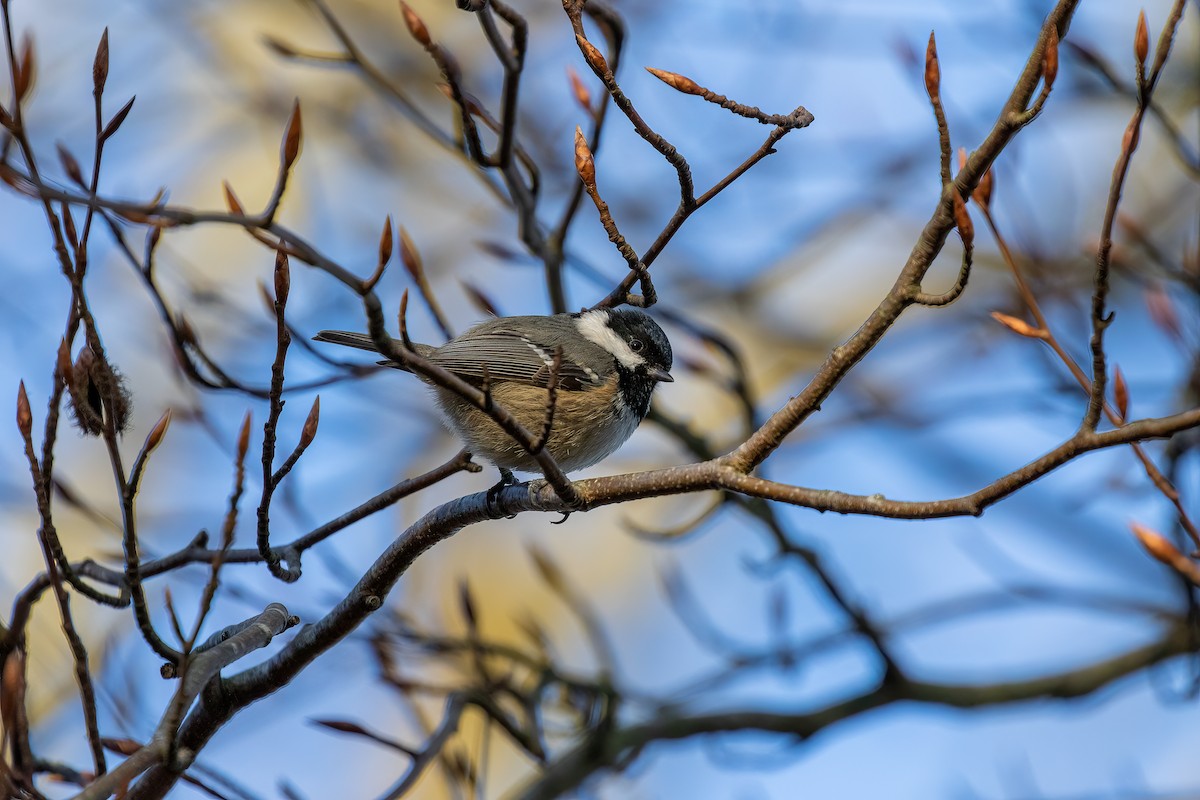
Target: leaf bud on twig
(1141, 40)
(1018, 326)
(933, 73)
(416, 27)
(585, 164)
(676, 81)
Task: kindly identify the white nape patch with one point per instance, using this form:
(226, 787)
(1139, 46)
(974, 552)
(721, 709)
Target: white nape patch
(594, 327)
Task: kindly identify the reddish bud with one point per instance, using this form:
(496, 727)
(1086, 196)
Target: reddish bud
(65, 369)
(582, 95)
(962, 220)
(594, 57)
(231, 201)
(1129, 141)
(410, 256)
(243, 442)
(24, 414)
(415, 26)
(1050, 57)
(290, 148)
(125, 747)
(309, 432)
(585, 164)
(983, 191)
(677, 81)
(157, 433)
(23, 78)
(933, 73)
(1141, 40)
(1156, 544)
(962, 158)
(1018, 326)
(100, 65)
(385, 255)
(1120, 393)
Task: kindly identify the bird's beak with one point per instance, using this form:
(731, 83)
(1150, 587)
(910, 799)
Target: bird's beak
(660, 375)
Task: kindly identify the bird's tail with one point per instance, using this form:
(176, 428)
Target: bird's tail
(362, 341)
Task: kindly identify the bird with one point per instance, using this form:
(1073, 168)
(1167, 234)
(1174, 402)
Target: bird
(611, 362)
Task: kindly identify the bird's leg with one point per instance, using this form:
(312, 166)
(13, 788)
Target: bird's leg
(493, 494)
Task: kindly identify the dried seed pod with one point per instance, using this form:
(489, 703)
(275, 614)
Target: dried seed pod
(95, 382)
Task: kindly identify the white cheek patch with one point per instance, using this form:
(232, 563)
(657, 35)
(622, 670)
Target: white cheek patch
(594, 327)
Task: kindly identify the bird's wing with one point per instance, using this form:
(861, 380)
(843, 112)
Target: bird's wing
(510, 356)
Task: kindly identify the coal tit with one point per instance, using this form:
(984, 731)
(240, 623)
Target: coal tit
(611, 361)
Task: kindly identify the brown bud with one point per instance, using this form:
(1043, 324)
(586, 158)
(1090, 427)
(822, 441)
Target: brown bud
(290, 148)
(1050, 57)
(117, 120)
(1018, 326)
(24, 415)
(385, 241)
(1141, 40)
(1156, 544)
(962, 158)
(415, 26)
(481, 300)
(283, 278)
(157, 433)
(585, 165)
(582, 95)
(23, 78)
(64, 362)
(676, 81)
(594, 57)
(309, 431)
(124, 747)
(410, 256)
(385, 255)
(1120, 393)
(100, 65)
(231, 201)
(933, 73)
(962, 219)
(69, 224)
(243, 441)
(983, 192)
(1129, 141)
(70, 165)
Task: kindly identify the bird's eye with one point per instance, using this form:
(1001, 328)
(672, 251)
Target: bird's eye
(636, 345)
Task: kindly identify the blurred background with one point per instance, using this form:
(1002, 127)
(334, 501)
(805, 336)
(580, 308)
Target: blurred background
(785, 264)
